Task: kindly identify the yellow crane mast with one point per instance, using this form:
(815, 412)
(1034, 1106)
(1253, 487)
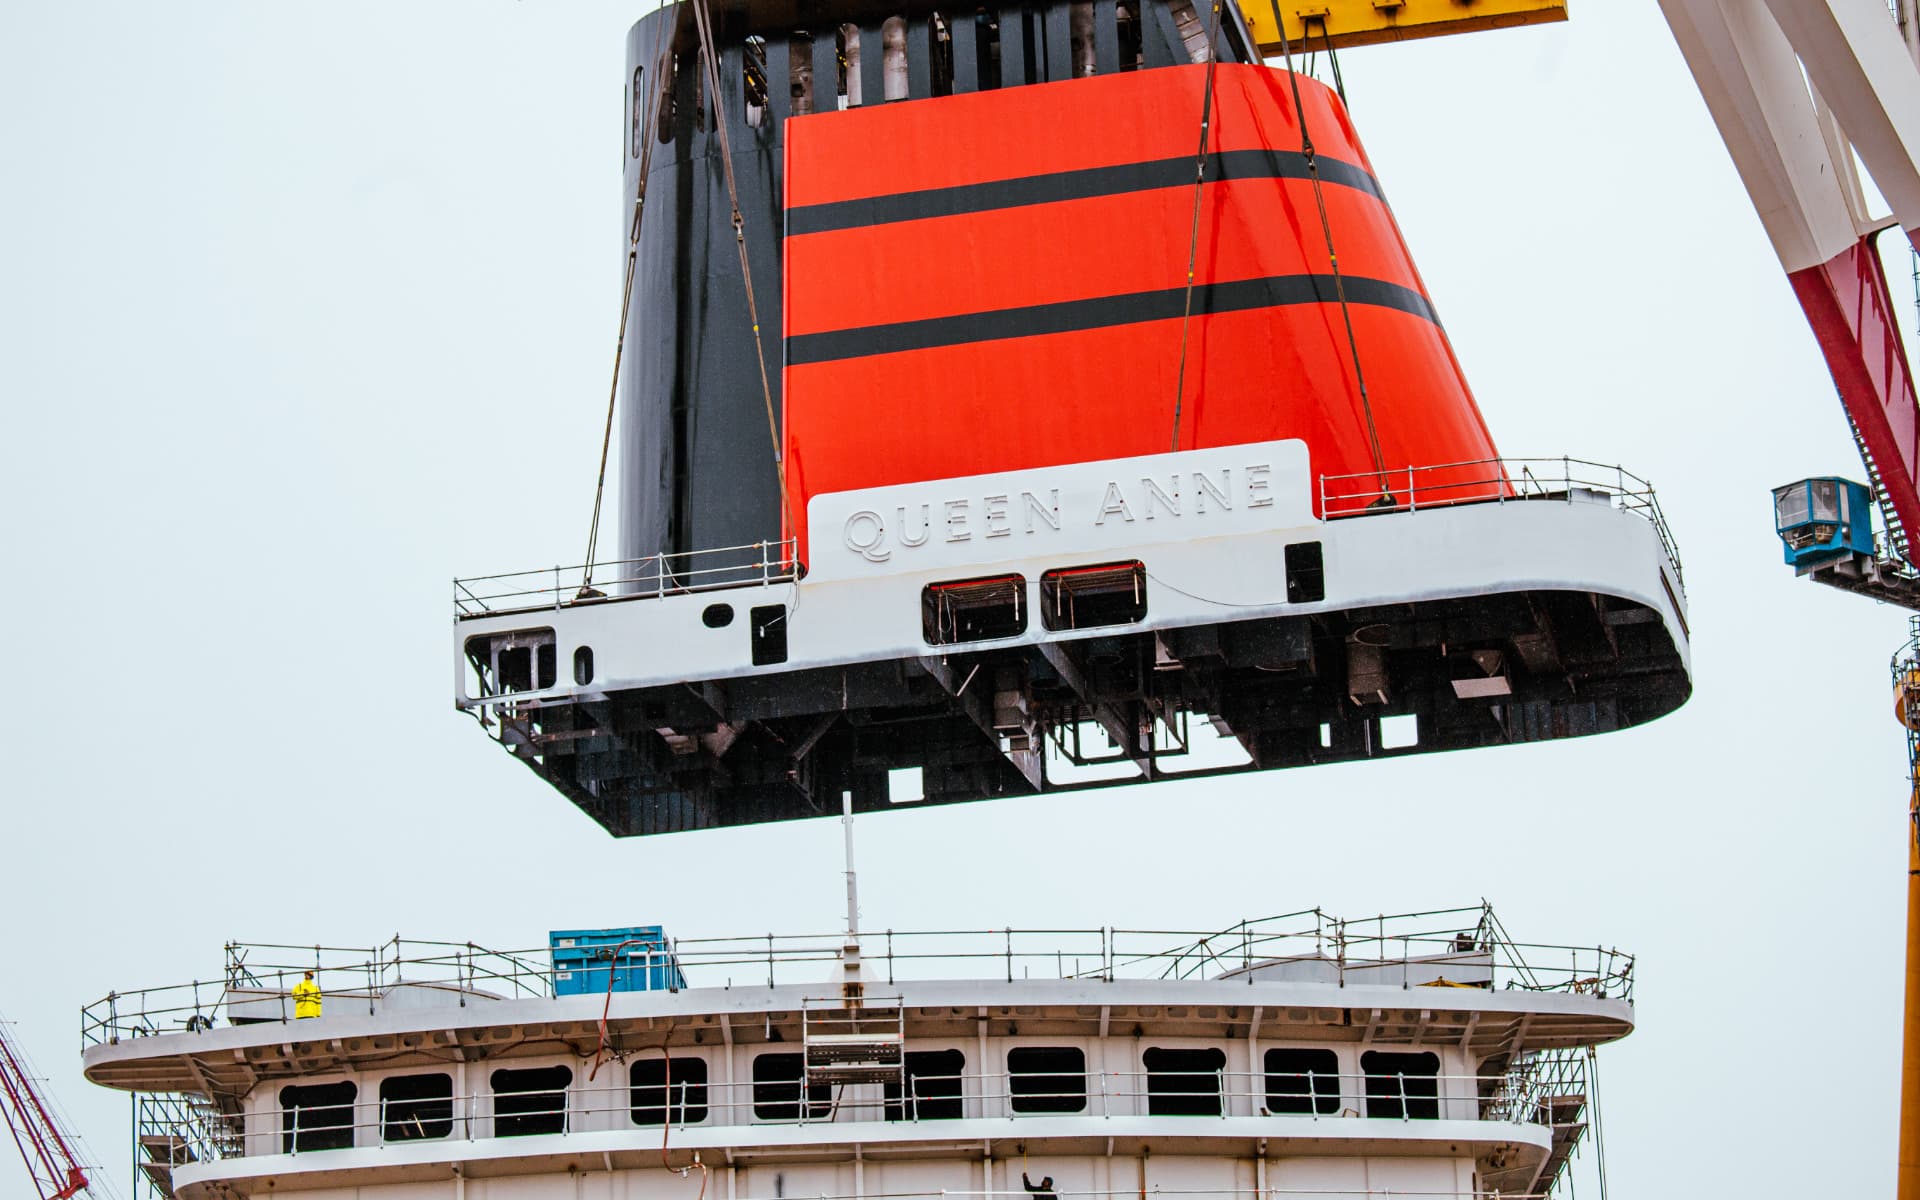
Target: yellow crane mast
(1906, 706)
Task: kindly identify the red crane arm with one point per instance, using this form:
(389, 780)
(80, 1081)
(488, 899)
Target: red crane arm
(1795, 147)
(48, 1153)
(1847, 302)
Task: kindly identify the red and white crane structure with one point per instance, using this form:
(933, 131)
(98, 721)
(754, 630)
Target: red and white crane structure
(47, 1146)
(1805, 92)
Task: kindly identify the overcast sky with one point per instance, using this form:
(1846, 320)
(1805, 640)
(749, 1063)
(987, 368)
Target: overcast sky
(307, 308)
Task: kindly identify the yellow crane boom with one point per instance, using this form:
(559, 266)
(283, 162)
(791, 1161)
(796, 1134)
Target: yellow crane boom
(1337, 24)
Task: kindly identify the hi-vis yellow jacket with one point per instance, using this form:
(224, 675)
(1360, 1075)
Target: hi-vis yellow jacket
(306, 999)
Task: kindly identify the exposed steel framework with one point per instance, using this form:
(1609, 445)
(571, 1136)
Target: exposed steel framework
(45, 1145)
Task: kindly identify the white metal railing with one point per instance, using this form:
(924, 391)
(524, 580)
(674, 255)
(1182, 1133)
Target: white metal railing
(1064, 1193)
(1405, 951)
(1524, 1096)
(626, 579)
(1495, 481)
(1399, 489)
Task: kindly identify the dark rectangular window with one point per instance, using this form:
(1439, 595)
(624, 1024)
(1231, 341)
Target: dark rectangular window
(416, 1107)
(317, 1116)
(1402, 1085)
(530, 1101)
(1047, 1079)
(1184, 1083)
(1306, 573)
(929, 1089)
(767, 624)
(1303, 1082)
(1087, 597)
(656, 1079)
(973, 610)
(777, 1081)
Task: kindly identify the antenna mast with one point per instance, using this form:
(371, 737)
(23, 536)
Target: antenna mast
(853, 882)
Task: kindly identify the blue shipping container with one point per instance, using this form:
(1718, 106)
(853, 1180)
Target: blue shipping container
(637, 959)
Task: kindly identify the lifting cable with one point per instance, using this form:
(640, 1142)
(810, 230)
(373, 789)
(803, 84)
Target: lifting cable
(1193, 236)
(1385, 499)
(1333, 57)
(703, 20)
(648, 115)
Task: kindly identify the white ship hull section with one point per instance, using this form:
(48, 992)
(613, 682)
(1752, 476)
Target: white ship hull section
(861, 600)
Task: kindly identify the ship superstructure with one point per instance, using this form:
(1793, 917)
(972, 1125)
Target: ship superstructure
(1424, 1055)
(1076, 416)
(1035, 400)
(1035, 397)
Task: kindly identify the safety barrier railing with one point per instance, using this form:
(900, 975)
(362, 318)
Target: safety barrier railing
(341, 1121)
(1424, 943)
(625, 579)
(1216, 1193)
(1495, 481)
(1464, 946)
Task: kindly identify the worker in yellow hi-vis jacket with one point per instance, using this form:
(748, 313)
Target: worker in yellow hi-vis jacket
(306, 998)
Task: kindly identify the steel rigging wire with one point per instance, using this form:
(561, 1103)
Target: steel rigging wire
(708, 55)
(644, 132)
(1193, 235)
(703, 20)
(1333, 258)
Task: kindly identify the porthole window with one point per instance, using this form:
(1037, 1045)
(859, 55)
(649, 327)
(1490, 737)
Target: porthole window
(717, 616)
